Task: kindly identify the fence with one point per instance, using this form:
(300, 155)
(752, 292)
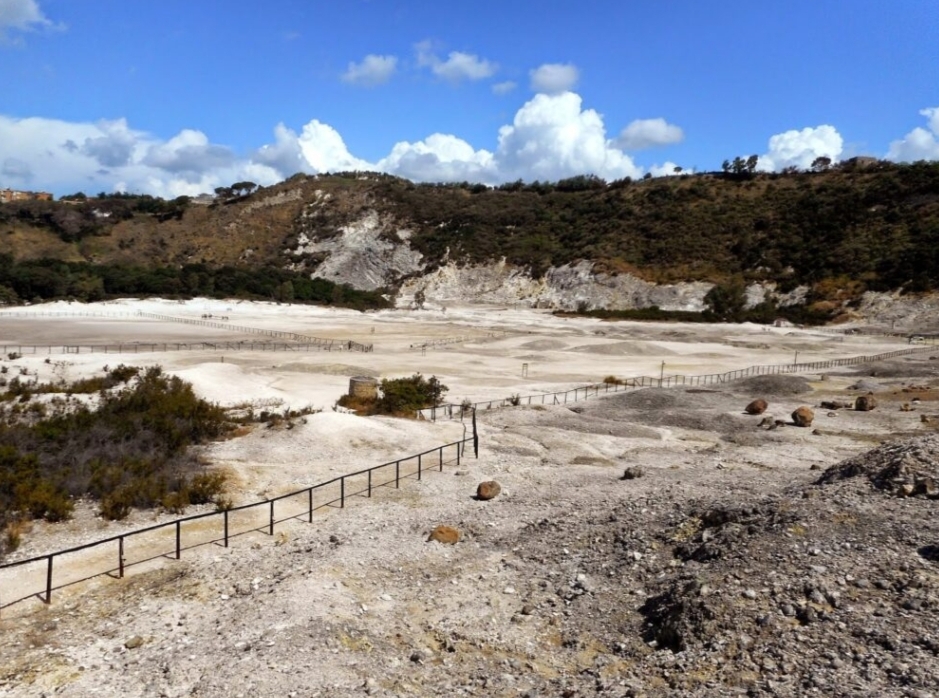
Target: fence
(452, 411)
(144, 347)
(303, 339)
(168, 540)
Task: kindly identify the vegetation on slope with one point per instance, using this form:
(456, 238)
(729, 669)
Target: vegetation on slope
(840, 231)
(48, 279)
(128, 450)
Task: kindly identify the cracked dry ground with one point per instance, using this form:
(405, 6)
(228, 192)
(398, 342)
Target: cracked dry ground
(743, 561)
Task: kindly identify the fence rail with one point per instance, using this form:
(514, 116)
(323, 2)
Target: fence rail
(347, 344)
(169, 539)
(453, 411)
(144, 347)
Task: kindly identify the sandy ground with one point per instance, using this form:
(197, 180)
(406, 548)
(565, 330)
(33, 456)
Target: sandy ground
(359, 603)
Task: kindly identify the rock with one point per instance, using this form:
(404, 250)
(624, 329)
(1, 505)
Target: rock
(488, 490)
(632, 473)
(865, 403)
(445, 534)
(803, 416)
(134, 642)
(832, 405)
(758, 406)
(767, 421)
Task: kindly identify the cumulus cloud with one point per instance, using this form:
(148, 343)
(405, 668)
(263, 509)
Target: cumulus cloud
(920, 143)
(21, 15)
(373, 70)
(503, 88)
(552, 78)
(459, 66)
(17, 16)
(64, 157)
(799, 148)
(17, 169)
(114, 148)
(648, 133)
(188, 153)
(439, 157)
(552, 137)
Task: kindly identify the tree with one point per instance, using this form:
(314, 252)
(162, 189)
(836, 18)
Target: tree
(243, 188)
(752, 163)
(821, 163)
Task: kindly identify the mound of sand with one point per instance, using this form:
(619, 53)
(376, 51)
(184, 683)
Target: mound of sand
(866, 386)
(909, 467)
(623, 349)
(898, 369)
(544, 345)
(777, 385)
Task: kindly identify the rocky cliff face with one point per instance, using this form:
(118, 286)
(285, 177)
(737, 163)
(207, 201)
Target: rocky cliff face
(567, 287)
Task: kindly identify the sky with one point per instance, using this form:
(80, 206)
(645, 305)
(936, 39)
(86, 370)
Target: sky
(178, 97)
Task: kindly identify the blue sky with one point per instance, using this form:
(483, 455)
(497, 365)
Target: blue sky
(177, 97)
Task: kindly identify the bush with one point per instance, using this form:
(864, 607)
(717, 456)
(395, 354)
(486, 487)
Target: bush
(206, 487)
(405, 396)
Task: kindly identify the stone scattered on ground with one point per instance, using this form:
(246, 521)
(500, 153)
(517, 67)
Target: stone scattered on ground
(803, 416)
(488, 490)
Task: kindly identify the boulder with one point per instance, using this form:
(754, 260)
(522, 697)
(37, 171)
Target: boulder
(445, 534)
(758, 406)
(488, 490)
(833, 405)
(865, 403)
(632, 472)
(803, 416)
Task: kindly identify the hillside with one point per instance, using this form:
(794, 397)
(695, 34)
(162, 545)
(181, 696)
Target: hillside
(835, 234)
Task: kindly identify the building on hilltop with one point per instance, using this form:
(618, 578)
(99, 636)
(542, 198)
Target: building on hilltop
(10, 195)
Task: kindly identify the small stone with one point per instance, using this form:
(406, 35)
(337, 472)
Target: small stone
(749, 594)
(758, 406)
(803, 416)
(508, 590)
(134, 642)
(445, 534)
(632, 472)
(488, 490)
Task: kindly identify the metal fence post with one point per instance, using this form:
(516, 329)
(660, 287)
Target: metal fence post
(271, 522)
(397, 474)
(310, 505)
(178, 535)
(418, 467)
(342, 493)
(440, 453)
(49, 581)
(369, 482)
(120, 557)
(226, 526)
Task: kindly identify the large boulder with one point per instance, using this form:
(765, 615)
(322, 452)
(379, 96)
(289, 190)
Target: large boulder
(803, 416)
(865, 403)
(758, 406)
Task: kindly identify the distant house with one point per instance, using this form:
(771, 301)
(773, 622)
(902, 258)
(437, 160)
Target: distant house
(8, 196)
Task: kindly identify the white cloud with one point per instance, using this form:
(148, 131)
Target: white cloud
(22, 16)
(552, 78)
(65, 157)
(188, 153)
(438, 157)
(503, 88)
(920, 143)
(552, 137)
(648, 133)
(799, 148)
(373, 70)
(325, 151)
(667, 169)
(458, 66)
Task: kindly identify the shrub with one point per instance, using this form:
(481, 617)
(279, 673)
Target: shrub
(515, 400)
(613, 380)
(405, 396)
(206, 487)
